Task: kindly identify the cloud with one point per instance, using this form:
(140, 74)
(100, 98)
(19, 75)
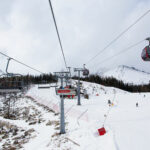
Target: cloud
(27, 32)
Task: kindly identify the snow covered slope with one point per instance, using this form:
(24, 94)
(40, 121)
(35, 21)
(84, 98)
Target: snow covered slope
(127, 125)
(128, 75)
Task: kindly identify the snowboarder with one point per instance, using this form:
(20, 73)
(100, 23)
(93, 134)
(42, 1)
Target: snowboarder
(137, 104)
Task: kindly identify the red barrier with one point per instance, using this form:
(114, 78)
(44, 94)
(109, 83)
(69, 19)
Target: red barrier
(101, 131)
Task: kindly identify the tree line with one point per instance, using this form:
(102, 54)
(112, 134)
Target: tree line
(113, 82)
(49, 78)
(23, 80)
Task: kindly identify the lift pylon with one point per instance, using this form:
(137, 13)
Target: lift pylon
(61, 76)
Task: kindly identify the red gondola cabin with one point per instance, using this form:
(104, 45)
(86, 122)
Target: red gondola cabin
(146, 54)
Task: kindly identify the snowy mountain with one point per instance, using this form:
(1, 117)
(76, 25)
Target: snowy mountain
(128, 75)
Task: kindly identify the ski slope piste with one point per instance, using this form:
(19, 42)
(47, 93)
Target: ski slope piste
(127, 126)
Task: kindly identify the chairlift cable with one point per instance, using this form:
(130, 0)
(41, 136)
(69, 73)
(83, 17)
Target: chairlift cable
(22, 63)
(51, 7)
(119, 53)
(121, 34)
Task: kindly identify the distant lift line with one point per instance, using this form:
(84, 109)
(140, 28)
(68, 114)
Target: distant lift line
(22, 63)
(121, 34)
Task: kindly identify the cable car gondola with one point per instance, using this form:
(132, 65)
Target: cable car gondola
(146, 52)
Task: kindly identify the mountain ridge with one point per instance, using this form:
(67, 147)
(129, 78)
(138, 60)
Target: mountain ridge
(128, 75)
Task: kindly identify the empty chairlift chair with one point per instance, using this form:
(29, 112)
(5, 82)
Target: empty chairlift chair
(10, 82)
(68, 91)
(85, 71)
(43, 85)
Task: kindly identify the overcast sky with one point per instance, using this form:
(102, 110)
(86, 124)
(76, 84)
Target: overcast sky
(27, 33)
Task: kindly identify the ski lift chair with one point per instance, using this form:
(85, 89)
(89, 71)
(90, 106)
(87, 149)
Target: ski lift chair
(85, 71)
(8, 85)
(43, 85)
(66, 92)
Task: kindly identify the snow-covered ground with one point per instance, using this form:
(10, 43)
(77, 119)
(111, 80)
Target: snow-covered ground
(127, 126)
(128, 75)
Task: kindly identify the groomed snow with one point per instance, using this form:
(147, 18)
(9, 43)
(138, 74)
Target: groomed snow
(127, 125)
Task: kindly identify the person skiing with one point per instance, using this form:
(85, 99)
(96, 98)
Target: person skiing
(137, 104)
(109, 102)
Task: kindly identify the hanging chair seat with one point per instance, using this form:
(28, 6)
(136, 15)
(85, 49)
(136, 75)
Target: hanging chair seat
(85, 72)
(6, 91)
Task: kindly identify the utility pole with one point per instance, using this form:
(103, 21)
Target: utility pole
(62, 76)
(78, 89)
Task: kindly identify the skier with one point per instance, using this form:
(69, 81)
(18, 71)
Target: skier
(109, 102)
(137, 104)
